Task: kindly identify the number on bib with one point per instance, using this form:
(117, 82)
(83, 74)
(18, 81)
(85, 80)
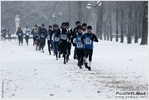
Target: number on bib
(20, 34)
(42, 35)
(79, 45)
(88, 41)
(27, 34)
(56, 39)
(64, 37)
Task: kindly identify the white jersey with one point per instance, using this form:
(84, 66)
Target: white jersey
(9, 32)
(27, 32)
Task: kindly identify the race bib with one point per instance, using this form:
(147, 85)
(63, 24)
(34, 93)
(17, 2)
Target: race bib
(27, 34)
(79, 39)
(20, 34)
(79, 45)
(56, 39)
(88, 41)
(64, 37)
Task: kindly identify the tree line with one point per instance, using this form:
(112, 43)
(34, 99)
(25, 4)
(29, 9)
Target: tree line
(119, 19)
(112, 21)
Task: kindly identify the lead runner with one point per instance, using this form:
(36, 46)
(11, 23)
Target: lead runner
(88, 39)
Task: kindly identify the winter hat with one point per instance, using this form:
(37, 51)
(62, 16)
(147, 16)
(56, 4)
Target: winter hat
(55, 25)
(64, 24)
(84, 24)
(50, 26)
(89, 27)
(77, 22)
(79, 27)
(67, 23)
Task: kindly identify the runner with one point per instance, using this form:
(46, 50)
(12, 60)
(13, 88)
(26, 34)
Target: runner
(69, 30)
(43, 35)
(37, 39)
(79, 46)
(49, 41)
(84, 28)
(74, 35)
(27, 33)
(56, 40)
(64, 42)
(88, 39)
(34, 34)
(9, 34)
(4, 34)
(20, 36)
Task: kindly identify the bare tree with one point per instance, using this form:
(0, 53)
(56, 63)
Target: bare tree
(117, 7)
(111, 36)
(136, 27)
(129, 36)
(145, 24)
(99, 22)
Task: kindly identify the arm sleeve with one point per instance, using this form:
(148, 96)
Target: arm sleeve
(95, 38)
(59, 33)
(46, 32)
(51, 35)
(82, 39)
(32, 32)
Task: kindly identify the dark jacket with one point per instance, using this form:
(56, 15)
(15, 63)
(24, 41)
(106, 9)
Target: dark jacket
(49, 34)
(4, 31)
(64, 35)
(42, 35)
(19, 33)
(53, 35)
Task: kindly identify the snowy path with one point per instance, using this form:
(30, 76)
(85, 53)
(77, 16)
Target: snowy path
(30, 74)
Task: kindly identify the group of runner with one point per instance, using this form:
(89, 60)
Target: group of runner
(4, 33)
(21, 34)
(61, 39)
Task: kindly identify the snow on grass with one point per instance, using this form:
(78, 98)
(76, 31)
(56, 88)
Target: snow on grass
(30, 74)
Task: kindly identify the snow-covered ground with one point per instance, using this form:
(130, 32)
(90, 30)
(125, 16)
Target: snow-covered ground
(30, 74)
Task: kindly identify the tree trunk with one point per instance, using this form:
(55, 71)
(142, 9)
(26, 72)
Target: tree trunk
(69, 11)
(129, 36)
(136, 26)
(104, 31)
(101, 20)
(145, 25)
(79, 11)
(110, 25)
(122, 32)
(108, 32)
(116, 21)
(98, 23)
